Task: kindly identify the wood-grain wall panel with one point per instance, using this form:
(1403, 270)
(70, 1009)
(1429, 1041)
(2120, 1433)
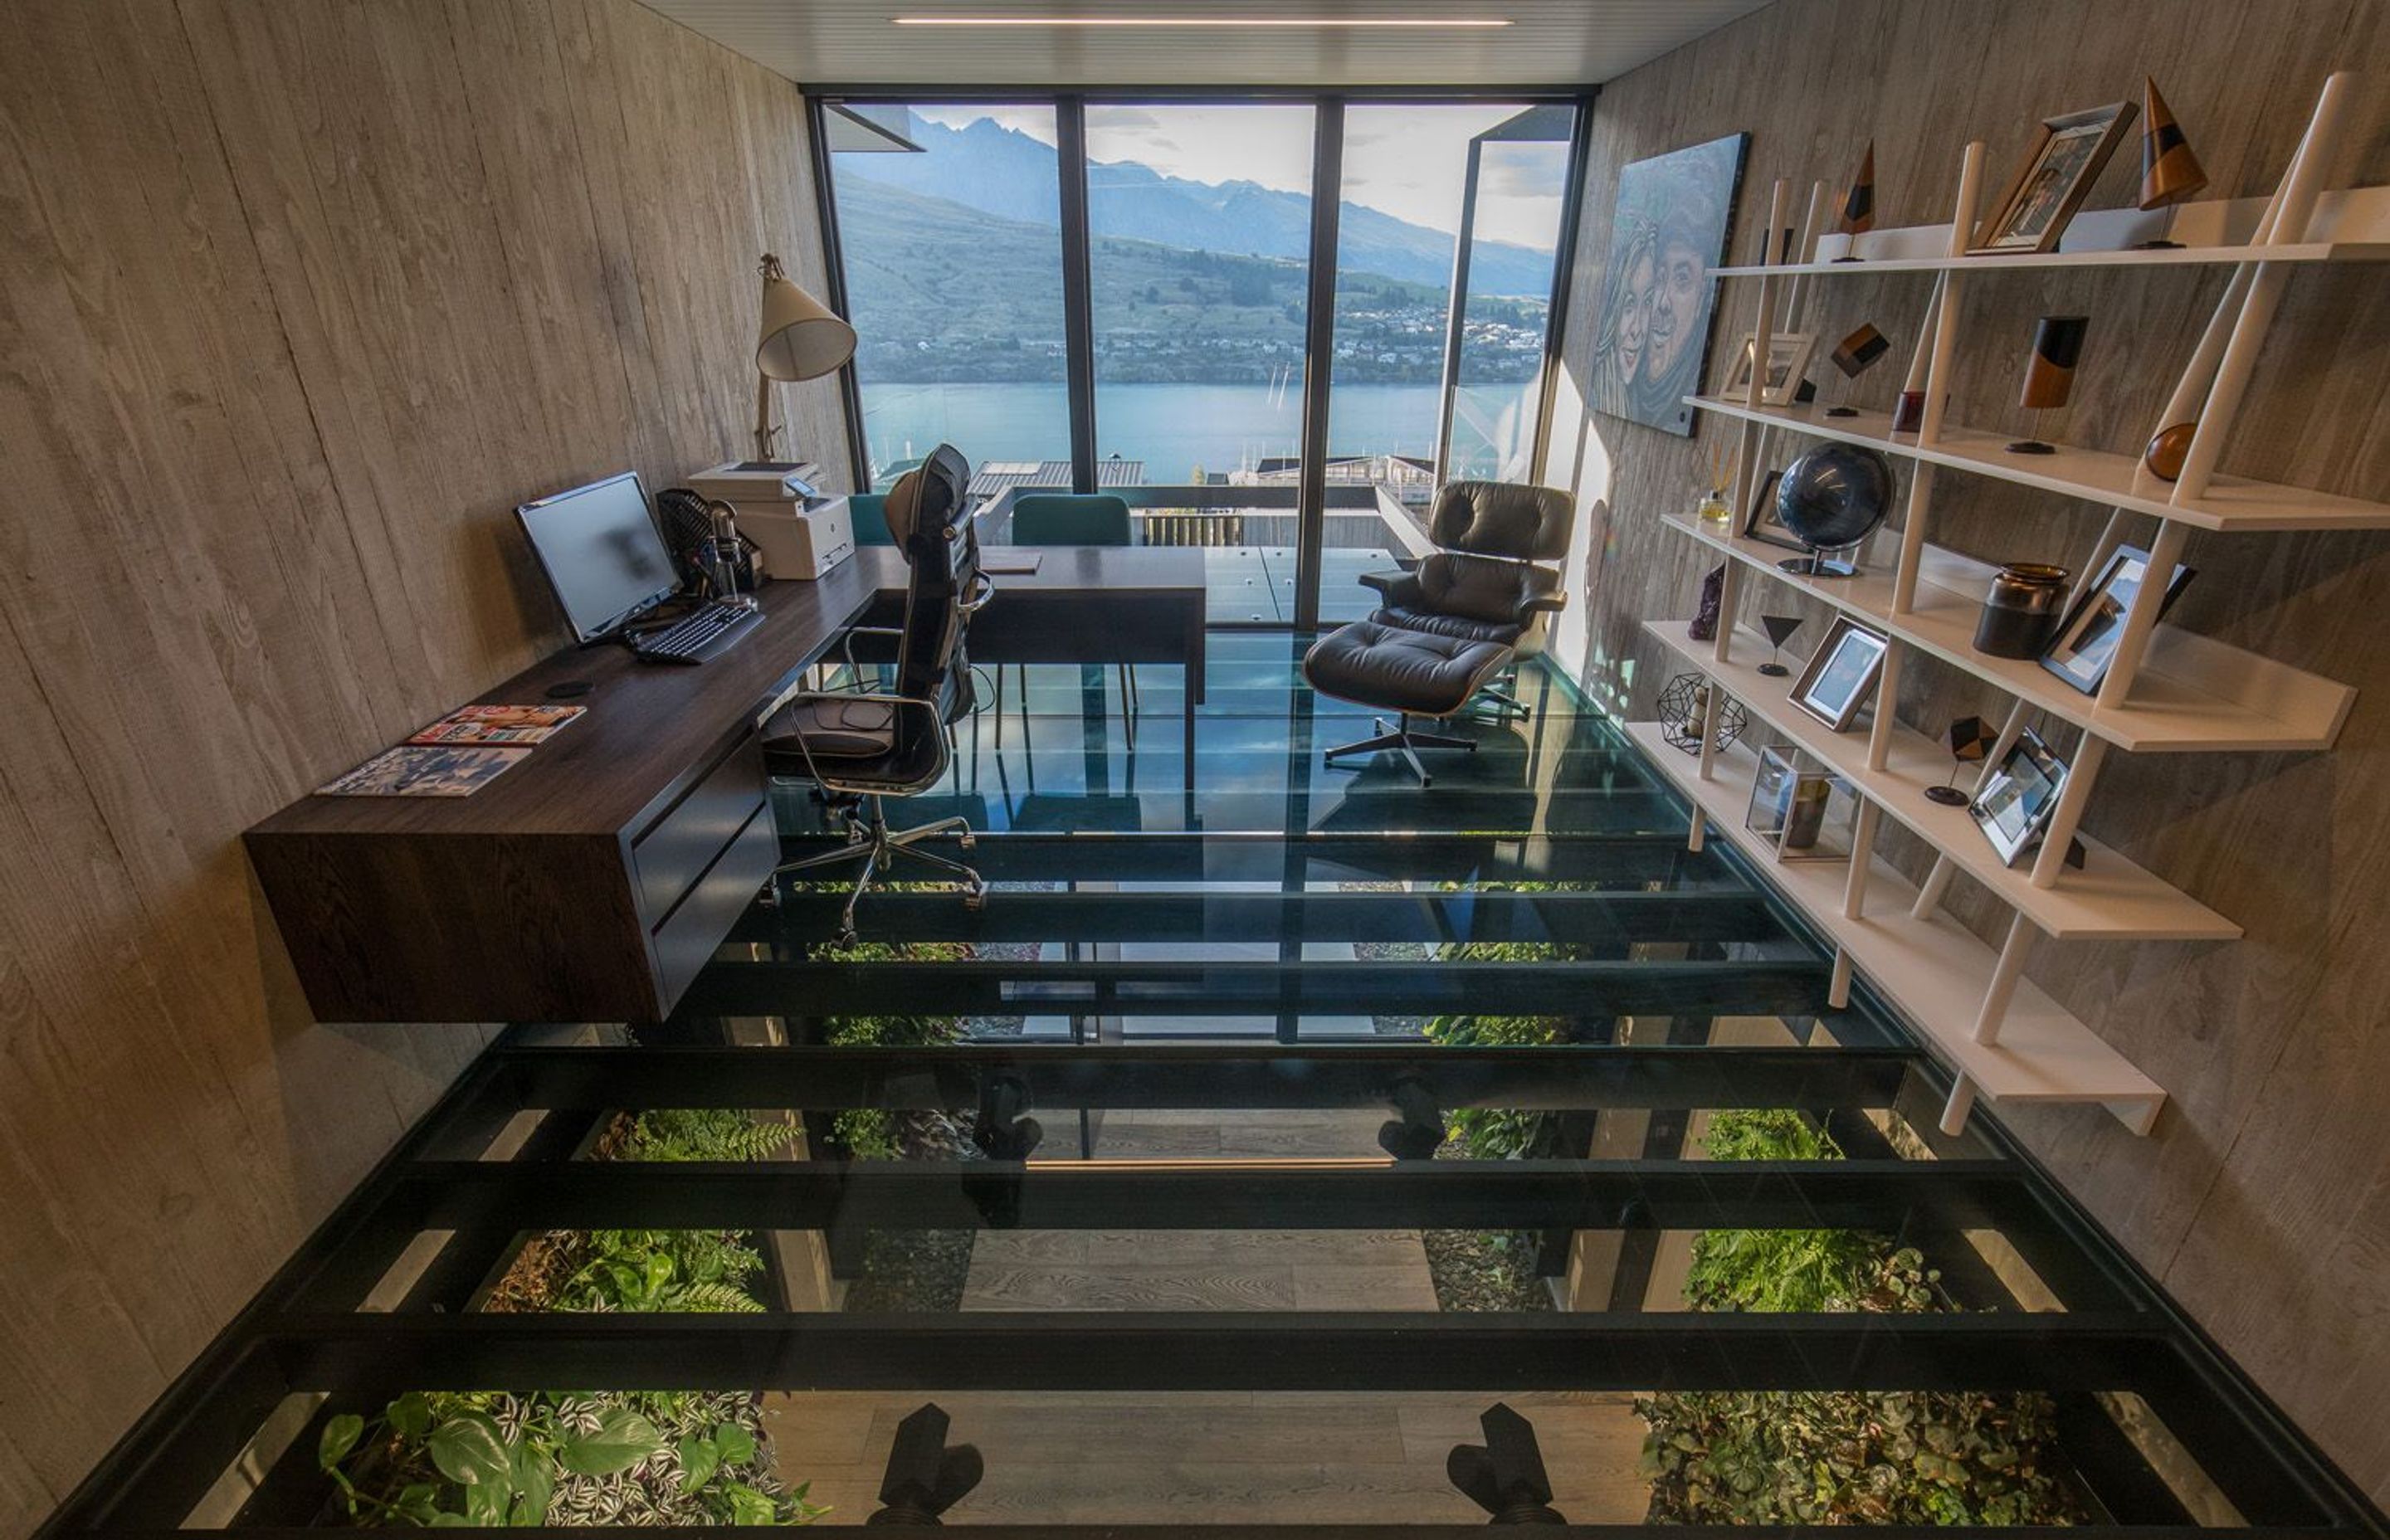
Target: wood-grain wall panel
(2263, 1199)
(297, 299)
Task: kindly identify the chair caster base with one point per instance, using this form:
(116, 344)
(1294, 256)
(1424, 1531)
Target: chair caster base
(1403, 740)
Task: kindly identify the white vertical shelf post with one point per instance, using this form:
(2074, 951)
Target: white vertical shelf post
(1713, 707)
(2005, 973)
(1938, 881)
(2068, 814)
(1763, 341)
(1838, 985)
(2141, 616)
(2301, 185)
(1887, 700)
(1855, 887)
(1942, 323)
(1962, 1102)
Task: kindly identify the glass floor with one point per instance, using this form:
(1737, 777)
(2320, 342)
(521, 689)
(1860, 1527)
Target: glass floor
(1309, 1149)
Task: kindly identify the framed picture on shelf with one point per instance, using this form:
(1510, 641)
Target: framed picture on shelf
(1841, 673)
(2085, 643)
(2020, 797)
(1761, 523)
(2050, 184)
(1787, 355)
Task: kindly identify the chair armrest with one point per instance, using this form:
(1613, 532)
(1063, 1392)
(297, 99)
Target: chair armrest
(1381, 580)
(1547, 604)
(846, 643)
(1396, 589)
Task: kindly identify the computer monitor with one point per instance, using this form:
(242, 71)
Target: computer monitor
(601, 551)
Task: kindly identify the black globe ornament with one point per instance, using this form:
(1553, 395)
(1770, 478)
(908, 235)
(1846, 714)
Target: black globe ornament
(1832, 497)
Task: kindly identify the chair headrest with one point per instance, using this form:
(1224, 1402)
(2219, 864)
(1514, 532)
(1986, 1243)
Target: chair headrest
(929, 497)
(1503, 519)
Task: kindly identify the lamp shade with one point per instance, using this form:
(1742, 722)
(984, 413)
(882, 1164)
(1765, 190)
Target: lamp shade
(802, 339)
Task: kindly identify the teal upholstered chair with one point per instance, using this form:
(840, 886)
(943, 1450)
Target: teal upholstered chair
(867, 512)
(1071, 519)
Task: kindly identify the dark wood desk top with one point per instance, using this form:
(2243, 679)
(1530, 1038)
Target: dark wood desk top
(652, 731)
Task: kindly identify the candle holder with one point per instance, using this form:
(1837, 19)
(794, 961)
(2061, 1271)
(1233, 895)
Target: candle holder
(1971, 739)
(1779, 629)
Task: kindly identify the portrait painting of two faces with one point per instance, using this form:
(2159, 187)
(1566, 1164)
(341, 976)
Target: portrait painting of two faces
(1653, 331)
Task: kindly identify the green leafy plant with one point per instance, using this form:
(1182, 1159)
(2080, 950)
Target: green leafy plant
(872, 1132)
(1796, 1270)
(1837, 1456)
(664, 1270)
(702, 1134)
(490, 1459)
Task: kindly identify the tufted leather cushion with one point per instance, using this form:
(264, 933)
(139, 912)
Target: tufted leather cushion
(1503, 519)
(1504, 633)
(1395, 669)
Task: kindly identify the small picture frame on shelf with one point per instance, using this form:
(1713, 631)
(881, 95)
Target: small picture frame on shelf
(2085, 643)
(2052, 181)
(2020, 796)
(1787, 355)
(1841, 673)
(1760, 522)
(1803, 809)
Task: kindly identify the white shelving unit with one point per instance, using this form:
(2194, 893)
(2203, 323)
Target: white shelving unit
(2230, 503)
(2110, 899)
(2196, 695)
(1932, 970)
(2166, 690)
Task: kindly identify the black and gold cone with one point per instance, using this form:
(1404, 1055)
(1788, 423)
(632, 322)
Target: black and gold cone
(1856, 216)
(2170, 172)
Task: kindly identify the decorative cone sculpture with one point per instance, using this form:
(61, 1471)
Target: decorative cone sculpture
(1858, 216)
(2170, 172)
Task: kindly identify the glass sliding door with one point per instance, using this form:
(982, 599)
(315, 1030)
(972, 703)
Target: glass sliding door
(1511, 224)
(949, 226)
(1198, 224)
(1418, 179)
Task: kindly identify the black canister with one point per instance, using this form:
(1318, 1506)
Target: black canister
(2022, 612)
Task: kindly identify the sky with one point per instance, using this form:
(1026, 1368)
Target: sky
(1401, 159)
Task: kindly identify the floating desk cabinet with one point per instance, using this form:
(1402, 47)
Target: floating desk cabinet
(591, 882)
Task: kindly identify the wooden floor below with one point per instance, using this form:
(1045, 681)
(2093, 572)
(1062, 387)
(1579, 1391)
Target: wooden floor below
(1227, 1458)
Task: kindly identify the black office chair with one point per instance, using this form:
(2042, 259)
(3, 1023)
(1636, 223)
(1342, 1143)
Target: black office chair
(1494, 575)
(861, 747)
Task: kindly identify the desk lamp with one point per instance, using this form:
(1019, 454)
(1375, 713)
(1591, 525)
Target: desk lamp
(801, 340)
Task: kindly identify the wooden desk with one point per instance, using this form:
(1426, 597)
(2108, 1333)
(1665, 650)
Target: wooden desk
(591, 882)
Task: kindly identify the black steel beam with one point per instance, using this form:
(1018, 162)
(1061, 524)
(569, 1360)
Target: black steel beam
(1487, 858)
(1078, 324)
(1600, 989)
(1319, 351)
(1590, 919)
(1206, 1075)
(1354, 1353)
(1071, 1195)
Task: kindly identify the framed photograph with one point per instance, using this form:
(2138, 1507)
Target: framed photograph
(2065, 160)
(1761, 523)
(2087, 638)
(2020, 797)
(1841, 673)
(1787, 355)
(1651, 326)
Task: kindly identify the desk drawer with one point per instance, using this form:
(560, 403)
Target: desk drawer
(672, 855)
(689, 940)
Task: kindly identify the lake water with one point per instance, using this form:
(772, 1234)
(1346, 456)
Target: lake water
(1172, 427)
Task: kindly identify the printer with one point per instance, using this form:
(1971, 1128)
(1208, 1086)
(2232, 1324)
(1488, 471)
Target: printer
(799, 534)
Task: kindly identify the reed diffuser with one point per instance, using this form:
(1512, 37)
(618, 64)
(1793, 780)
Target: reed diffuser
(1713, 508)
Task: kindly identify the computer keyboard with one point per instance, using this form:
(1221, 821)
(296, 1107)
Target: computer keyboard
(698, 636)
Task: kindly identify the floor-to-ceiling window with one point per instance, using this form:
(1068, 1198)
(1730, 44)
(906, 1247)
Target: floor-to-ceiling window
(956, 226)
(949, 225)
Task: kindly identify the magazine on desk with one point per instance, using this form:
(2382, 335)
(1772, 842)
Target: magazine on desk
(499, 727)
(413, 771)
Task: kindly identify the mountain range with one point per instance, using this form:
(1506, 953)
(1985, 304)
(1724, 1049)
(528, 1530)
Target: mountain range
(1003, 171)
